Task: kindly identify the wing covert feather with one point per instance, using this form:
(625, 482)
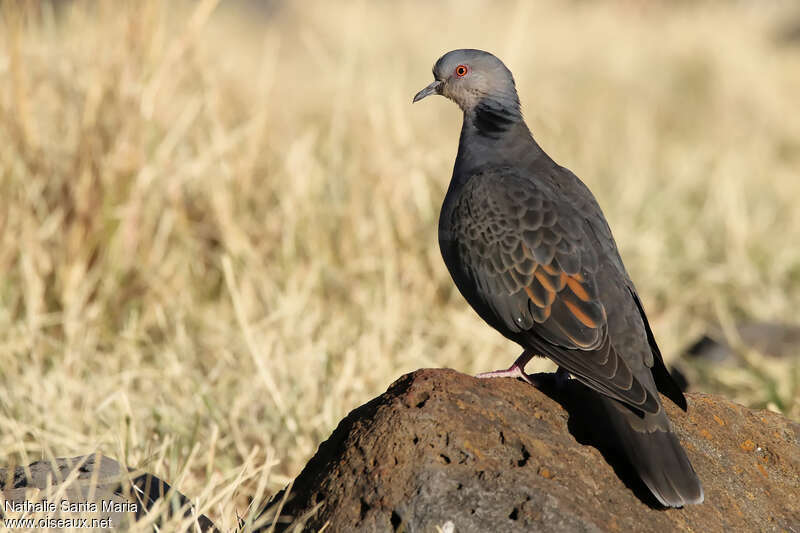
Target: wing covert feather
(535, 268)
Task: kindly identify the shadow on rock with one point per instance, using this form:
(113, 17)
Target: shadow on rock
(588, 423)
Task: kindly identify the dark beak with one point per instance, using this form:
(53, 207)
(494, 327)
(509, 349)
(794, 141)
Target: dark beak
(433, 88)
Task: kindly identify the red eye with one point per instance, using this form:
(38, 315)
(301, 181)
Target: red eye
(461, 71)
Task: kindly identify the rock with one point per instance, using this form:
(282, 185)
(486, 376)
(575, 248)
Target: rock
(771, 339)
(99, 489)
(442, 451)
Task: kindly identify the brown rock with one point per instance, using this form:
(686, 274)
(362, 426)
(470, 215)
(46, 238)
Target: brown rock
(91, 487)
(444, 450)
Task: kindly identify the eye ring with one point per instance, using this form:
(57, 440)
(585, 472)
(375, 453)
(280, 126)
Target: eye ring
(461, 71)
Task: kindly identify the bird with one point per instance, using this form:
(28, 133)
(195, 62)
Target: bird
(529, 248)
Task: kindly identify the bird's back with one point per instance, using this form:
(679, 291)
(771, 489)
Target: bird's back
(486, 200)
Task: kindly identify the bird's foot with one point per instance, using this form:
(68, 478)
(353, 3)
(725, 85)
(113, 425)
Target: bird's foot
(514, 371)
(550, 380)
(561, 377)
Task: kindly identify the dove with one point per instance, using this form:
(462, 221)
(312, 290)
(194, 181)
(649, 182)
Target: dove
(529, 248)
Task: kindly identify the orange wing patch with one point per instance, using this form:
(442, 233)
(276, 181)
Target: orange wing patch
(548, 283)
(550, 269)
(535, 299)
(575, 286)
(580, 315)
(545, 280)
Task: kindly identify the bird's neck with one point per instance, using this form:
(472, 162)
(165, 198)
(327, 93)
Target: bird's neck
(494, 134)
(493, 117)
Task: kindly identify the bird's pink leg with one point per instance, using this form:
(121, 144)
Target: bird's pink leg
(517, 370)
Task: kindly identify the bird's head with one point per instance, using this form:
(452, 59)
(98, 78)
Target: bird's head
(469, 76)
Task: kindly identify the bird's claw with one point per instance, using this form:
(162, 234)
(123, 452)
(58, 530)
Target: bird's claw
(514, 371)
(558, 378)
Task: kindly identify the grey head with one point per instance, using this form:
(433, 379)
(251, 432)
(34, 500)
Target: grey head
(468, 76)
(480, 84)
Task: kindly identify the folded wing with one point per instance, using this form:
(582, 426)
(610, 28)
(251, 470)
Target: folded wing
(535, 270)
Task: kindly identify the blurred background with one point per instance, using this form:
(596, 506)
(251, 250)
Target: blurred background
(218, 218)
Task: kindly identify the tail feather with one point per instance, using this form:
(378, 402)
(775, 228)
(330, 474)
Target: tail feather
(656, 455)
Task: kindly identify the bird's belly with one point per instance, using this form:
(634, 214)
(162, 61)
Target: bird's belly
(469, 289)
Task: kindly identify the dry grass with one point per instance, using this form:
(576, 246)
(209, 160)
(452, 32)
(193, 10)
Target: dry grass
(218, 232)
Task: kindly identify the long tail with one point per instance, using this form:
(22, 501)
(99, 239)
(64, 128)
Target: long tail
(656, 454)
